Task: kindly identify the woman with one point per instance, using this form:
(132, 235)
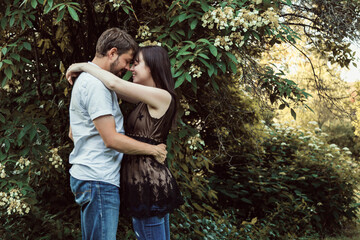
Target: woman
(148, 189)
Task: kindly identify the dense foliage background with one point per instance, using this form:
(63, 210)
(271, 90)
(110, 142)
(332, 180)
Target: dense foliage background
(243, 175)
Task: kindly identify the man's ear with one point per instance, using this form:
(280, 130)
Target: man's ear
(112, 52)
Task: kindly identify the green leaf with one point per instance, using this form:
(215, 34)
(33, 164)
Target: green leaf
(126, 9)
(47, 9)
(174, 3)
(7, 145)
(32, 133)
(60, 15)
(178, 73)
(204, 41)
(182, 17)
(162, 36)
(48, 6)
(222, 66)
(174, 21)
(34, 3)
(57, 5)
(2, 155)
(2, 118)
(246, 200)
(203, 56)
(27, 45)
(7, 11)
(211, 70)
(3, 23)
(1, 64)
(15, 56)
(204, 62)
(8, 73)
(12, 21)
(127, 75)
(181, 62)
(73, 14)
(194, 86)
(183, 53)
(7, 61)
(288, 2)
(24, 151)
(183, 132)
(175, 37)
(22, 25)
(215, 85)
(232, 57)
(293, 113)
(192, 44)
(26, 60)
(4, 51)
(188, 77)
(256, 35)
(193, 23)
(24, 131)
(181, 32)
(180, 81)
(233, 67)
(42, 127)
(204, 6)
(183, 50)
(213, 50)
(4, 81)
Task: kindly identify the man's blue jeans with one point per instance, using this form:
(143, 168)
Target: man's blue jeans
(100, 205)
(152, 228)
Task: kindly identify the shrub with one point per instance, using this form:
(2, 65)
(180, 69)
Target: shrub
(299, 185)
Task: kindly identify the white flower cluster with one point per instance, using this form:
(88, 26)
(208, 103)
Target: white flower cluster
(2, 171)
(195, 71)
(116, 3)
(347, 150)
(150, 43)
(143, 32)
(257, 1)
(313, 123)
(3, 199)
(14, 203)
(223, 42)
(22, 163)
(185, 105)
(12, 85)
(239, 22)
(314, 139)
(56, 160)
(193, 141)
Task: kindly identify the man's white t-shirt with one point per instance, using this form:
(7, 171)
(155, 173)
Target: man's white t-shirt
(91, 159)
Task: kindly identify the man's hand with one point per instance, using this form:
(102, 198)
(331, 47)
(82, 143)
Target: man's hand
(161, 153)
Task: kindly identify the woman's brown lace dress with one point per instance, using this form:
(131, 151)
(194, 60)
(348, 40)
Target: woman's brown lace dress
(147, 187)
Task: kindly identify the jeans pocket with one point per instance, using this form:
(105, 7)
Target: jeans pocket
(81, 190)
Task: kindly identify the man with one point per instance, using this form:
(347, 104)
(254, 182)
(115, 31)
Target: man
(96, 127)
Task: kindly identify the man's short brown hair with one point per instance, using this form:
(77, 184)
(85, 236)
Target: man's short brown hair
(115, 37)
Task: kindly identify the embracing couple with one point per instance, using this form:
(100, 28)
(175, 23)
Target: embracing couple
(102, 179)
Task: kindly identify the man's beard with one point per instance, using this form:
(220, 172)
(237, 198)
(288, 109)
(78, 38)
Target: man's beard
(112, 68)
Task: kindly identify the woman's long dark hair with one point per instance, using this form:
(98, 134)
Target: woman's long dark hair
(157, 59)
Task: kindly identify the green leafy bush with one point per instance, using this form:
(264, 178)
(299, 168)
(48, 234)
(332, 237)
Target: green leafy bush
(299, 185)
